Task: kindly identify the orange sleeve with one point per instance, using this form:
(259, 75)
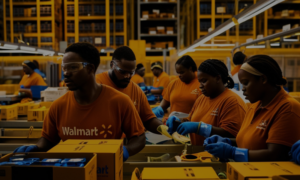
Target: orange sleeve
(145, 111)
(50, 131)
(40, 81)
(132, 124)
(285, 129)
(22, 80)
(167, 92)
(231, 116)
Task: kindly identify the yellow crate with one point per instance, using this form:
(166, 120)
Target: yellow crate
(23, 107)
(9, 112)
(9, 88)
(37, 114)
(46, 104)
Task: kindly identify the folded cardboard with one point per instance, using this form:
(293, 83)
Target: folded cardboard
(179, 173)
(244, 171)
(88, 172)
(109, 157)
(93, 142)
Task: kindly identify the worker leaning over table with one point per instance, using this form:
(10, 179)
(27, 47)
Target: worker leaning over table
(161, 79)
(89, 110)
(139, 74)
(31, 78)
(271, 125)
(119, 77)
(217, 111)
(181, 92)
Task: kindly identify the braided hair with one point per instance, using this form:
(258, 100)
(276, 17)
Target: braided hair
(269, 67)
(215, 68)
(187, 62)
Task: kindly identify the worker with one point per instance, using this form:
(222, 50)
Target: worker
(31, 78)
(37, 69)
(238, 59)
(119, 77)
(89, 110)
(139, 74)
(271, 125)
(217, 111)
(182, 92)
(295, 152)
(161, 79)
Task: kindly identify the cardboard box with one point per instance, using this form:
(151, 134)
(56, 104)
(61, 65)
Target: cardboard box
(156, 11)
(152, 30)
(88, 172)
(297, 13)
(52, 93)
(171, 15)
(286, 177)
(9, 112)
(163, 15)
(244, 171)
(92, 142)
(145, 14)
(179, 173)
(37, 114)
(170, 30)
(109, 157)
(153, 15)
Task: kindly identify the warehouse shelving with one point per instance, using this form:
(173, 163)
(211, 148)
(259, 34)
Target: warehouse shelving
(32, 21)
(167, 17)
(102, 23)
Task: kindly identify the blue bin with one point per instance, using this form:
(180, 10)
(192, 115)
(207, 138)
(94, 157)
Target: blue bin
(36, 91)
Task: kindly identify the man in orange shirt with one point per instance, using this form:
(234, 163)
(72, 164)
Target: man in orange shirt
(123, 64)
(31, 78)
(271, 124)
(139, 74)
(89, 110)
(161, 79)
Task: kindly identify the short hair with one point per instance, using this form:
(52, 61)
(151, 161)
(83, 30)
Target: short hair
(187, 62)
(269, 67)
(238, 58)
(215, 68)
(36, 63)
(125, 53)
(86, 51)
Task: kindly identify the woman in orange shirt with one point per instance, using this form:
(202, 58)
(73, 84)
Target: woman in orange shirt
(217, 111)
(139, 74)
(182, 92)
(271, 125)
(160, 80)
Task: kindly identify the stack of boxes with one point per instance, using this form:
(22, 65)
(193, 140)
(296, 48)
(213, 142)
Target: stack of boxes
(99, 10)
(45, 10)
(161, 30)
(157, 14)
(46, 26)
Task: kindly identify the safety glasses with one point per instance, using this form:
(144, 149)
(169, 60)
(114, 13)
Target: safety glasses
(73, 66)
(121, 71)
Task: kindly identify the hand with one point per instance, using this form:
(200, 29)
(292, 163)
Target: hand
(171, 123)
(221, 150)
(216, 139)
(158, 111)
(23, 149)
(188, 127)
(125, 154)
(295, 152)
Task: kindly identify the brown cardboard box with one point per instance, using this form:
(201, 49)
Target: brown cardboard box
(171, 15)
(286, 177)
(170, 44)
(244, 171)
(161, 45)
(156, 11)
(278, 13)
(297, 13)
(92, 142)
(145, 14)
(88, 172)
(152, 30)
(170, 30)
(161, 30)
(109, 157)
(163, 15)
(179, 173)
(153, 15)
(291, 12)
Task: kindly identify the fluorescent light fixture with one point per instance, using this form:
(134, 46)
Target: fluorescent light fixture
(19, 51)
(26, 48)
(275, 44)
(254, 47)
(219, 45)
(10, 46)
(290, 40)
(46, 52)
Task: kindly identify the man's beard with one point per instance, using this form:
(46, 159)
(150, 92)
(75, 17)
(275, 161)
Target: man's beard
(118, 82)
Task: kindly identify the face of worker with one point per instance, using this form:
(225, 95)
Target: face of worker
(141, 72)
(252, 86)
(185, 75)
(208, 84)
(156, 71)
(77, 79)
(122, 72)
(27, 70)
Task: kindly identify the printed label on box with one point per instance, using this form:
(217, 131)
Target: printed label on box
(170, 32)
(146, 16)
(98, 40)
(152, 32)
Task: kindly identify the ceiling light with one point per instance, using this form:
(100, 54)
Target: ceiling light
(10, 46)
(254, 47)
(26, 48)
(275, 44)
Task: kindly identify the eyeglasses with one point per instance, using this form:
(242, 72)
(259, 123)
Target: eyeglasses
(121, 71)
(73, 66)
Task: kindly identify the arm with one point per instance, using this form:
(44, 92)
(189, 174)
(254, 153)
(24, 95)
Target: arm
(157, 91)
(44, 145)
(274, 152)
(152, 124)
(164, 104)
(221, 132)
(136, 144)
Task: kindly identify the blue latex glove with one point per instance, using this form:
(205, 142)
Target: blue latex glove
(295, 152)
(22, 87)
(125, 154)
(158, 111)
(23, 149)
(170, 124)
(192, 127)
(216, 139)
(226, 151)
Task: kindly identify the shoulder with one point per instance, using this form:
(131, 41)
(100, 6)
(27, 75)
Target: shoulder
(289, 104)
(174, 82)
(102, 76)
(233, 98)
(37, 76)
(62, 102)
(114, 95)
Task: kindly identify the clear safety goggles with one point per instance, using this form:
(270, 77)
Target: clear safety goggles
(73, 66)
(121, 71)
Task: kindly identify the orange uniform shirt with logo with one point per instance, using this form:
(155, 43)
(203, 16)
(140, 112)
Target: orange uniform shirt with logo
(33, 80)
(182, 96)
(162, 80)
(226, 111)
(134, 92)
(111, 114)
(137, 79)
(276, 123)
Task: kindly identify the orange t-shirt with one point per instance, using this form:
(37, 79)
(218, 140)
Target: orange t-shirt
(111, 114)
(236, 69)
(276, 123)
(137, 79)
(33, 80)
(162, 81)
(226, 111)
(134, 92)
(182, 96)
